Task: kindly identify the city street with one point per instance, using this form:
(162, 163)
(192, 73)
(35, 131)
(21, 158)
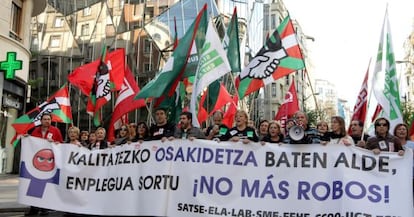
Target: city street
(9, 207)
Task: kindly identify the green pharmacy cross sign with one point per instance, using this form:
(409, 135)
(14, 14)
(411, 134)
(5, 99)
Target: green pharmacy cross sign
(11, 65)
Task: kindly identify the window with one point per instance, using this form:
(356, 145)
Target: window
(54, 41)
(85, 30)
(265, 24)
(273, 89)
(59, 21)
(16, 16)
(86, 11)
(147, 67)
(147, 46)
(266, 18)
(273, 20)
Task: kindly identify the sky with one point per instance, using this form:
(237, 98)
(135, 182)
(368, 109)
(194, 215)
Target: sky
(347, 34)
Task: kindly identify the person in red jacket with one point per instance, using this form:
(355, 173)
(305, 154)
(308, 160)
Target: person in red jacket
(52, 134)
(46, 130)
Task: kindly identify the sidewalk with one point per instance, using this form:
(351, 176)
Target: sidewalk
(8, 194)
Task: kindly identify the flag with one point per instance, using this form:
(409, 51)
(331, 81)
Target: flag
(228, 117)
(385, 81)
(214, 98)
(279, 57)
(83, 77)
(360, 108)
(98, 79)
(175, 34)
(58, 105)
(213, 64)
(167, 80)
(125, 102)
(341, 109)
(411, 130)
(173, 104)
(289, 106)
(231, 43)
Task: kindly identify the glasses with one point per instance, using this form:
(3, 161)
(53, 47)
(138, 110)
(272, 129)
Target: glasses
(381, 125)
(124, 128)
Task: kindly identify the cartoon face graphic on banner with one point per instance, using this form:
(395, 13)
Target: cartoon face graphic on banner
(44, 160)
(41, 171)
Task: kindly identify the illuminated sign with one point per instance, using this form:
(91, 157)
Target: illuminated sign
(11, 65)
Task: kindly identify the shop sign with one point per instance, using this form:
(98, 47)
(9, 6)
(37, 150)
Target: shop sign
(11, 65)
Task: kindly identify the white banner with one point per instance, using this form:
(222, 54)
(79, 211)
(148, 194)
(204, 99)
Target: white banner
(206, 178)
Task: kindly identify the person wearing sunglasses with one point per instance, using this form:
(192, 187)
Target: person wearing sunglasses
(122, 136)
(383, 140)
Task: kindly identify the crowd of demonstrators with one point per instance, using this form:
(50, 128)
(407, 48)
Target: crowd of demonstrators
(243, 131)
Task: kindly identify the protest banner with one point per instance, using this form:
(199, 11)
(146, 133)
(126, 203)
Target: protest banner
(206, 178)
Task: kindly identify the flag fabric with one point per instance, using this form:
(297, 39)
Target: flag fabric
(83, 77)
(214, 98)
(213, 64)
(289, 106)
(175, 34)
(341, 109)
(279, 57)
(228, 117)
(98, 79)
(125, 102)
(231, 43)
(172, 73)
(58, 105)
(411, 130)
(173, 104)
(360, 108)
(385, 81)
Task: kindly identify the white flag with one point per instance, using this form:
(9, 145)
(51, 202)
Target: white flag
(212, 65)
(385, 79)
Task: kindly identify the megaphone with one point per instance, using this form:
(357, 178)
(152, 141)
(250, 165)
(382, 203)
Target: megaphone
(296, 133)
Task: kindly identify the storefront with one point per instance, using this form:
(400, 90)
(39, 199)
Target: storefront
(14, 62)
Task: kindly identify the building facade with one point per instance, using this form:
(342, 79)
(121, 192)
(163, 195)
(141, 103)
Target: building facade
(15, 16)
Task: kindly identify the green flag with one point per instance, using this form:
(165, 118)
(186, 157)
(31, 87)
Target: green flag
(231, 43)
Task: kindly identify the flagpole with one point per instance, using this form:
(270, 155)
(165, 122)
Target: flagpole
(367, 105)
